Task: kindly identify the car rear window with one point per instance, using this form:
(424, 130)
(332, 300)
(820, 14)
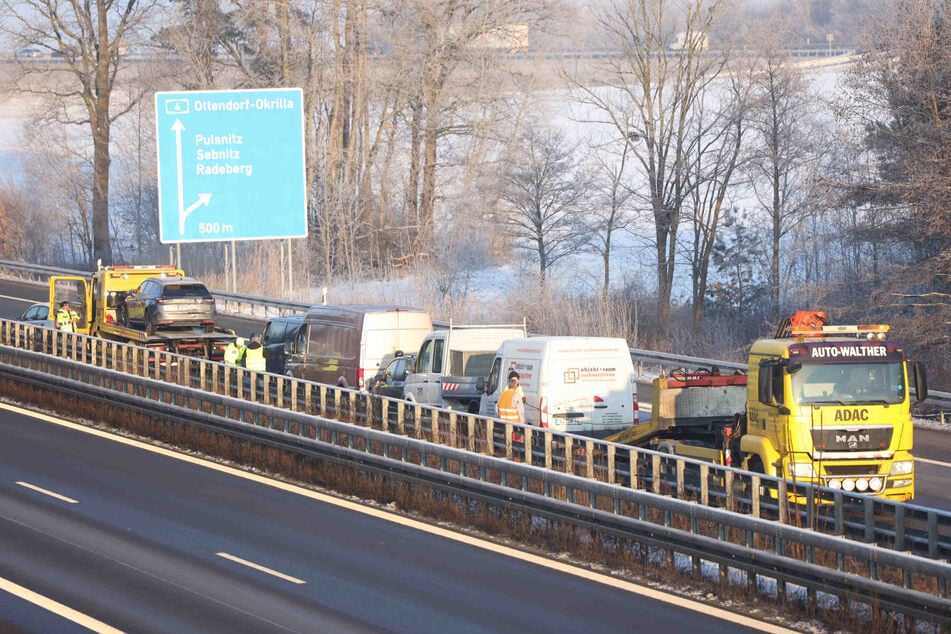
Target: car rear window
(186, 290)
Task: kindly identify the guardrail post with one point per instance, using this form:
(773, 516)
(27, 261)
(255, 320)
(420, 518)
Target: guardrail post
(589, 459)
(632, 455)
(681, 483)
(490, 437)
(417, 421)
(385, 415)
(782, 501)
(453, 421)
(549, 461)
(655, 474)
(202, 375)
(401, 418)
(932, 534)
(612, 477)
(529, 443)
(185, 371)
(705, 484)
(756, 485)
(509, 430)
(869, 508)
(470, 430)
(569, 455)
(370, 400)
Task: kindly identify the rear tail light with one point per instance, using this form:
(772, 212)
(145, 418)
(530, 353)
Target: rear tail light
(598, 399)
(543, 412)
(360, 378)
(636, 409)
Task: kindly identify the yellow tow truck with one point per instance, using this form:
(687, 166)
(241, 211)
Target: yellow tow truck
(821, 404)
(97, 300)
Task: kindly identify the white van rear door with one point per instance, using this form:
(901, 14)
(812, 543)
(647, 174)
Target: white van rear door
(591, 396)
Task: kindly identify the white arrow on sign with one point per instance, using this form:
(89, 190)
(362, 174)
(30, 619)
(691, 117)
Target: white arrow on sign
(203, 199)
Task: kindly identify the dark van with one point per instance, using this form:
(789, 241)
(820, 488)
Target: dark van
(277, 332)
(344, 345)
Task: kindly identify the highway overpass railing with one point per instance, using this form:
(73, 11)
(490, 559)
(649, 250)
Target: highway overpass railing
(889, 524)
(469, 461)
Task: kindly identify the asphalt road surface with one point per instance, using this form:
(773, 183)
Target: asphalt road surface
(112, 534)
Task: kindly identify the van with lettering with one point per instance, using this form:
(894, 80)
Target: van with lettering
(580, 385)
(344, 345)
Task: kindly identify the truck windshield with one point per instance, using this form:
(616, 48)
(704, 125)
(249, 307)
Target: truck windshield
(849, 383)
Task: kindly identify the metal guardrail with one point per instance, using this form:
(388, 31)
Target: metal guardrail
(459, 456)
(265, 307)
(872, 520)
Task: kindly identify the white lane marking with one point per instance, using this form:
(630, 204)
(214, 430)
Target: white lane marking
(57, 608)
(625, 586)
(934, 462)
(270, 571)
(48, 492)
(20, 299)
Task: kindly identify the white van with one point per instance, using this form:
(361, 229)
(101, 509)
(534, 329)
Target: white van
(452, 362)
(344, 345)
(580, 385)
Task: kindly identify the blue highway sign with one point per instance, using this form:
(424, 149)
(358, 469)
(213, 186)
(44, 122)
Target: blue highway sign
(231, 165)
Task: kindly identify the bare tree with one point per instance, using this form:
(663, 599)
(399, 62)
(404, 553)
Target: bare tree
(900, 92)
(454, 52)
(541, 192)
(611, 210)
(649, 95)
(89, 36)
(783, 155)
(202, 35)
(713, 159)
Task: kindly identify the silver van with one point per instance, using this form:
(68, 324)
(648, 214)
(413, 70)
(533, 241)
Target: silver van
(344, 345)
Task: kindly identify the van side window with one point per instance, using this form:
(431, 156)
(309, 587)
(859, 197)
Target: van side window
(300, 344)
(494, 377)
(334, 340)
(273, 332)
(425, 362)
(437, 354)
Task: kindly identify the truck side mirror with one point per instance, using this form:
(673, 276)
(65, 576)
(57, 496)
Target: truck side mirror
(480, 384)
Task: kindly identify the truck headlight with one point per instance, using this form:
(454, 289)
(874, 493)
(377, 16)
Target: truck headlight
(902, 467)
(801, 470)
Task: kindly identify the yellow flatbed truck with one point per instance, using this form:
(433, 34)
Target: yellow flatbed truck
(96, 298)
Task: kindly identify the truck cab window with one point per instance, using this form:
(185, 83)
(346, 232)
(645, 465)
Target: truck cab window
(437, 353)
(493, 383)
(425, 362)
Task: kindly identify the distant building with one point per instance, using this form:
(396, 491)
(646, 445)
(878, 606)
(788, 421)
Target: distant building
(697, 40)
(511, 37)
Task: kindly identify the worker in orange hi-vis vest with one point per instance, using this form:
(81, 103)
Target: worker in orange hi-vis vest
(510, 407)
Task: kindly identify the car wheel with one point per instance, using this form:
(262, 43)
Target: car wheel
(149, 328)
